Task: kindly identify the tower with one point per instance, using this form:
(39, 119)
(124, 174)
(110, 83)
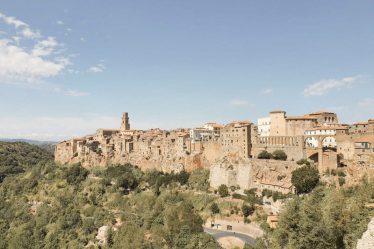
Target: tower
(125, 125)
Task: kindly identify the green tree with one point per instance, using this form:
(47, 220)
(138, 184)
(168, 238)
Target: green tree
(264, 155)
(305, 179)
(279, 155)
(247, 210)
(303, 162)
(199, 179)
(223, 190)
(214, 208)
(76, 174)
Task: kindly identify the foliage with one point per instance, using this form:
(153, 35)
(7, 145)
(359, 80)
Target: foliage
(326, 218)
(279, 155)
(199, 179)
(76, 174)
(247, 210)
(214, 208)
(16, 157)
(264, 155)
(223, 190)
(305, 179)
(303, 162)
(51, 206)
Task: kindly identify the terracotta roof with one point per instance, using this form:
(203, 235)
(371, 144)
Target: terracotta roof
(320, 112)
(215, 125)
(277, 111)
(361, 123)
(301, 118)
(341, 127)
(365, 139)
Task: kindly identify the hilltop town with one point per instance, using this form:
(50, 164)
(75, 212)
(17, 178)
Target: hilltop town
(233, 151)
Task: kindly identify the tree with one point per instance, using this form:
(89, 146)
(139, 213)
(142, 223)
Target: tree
(279, 155)
(223, 190)
(247, 210)
(305, 179)
(76, 174)
(214, 208)
(182, 177)
(303, 162)
(264, 155)
(199, 179)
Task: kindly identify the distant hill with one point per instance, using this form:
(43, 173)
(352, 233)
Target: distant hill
(29, 141)
(16, 157)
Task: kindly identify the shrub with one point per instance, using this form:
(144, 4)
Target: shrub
(305, 179)
(341, 173)
(199, 179)
(223, 190)
(247, 210)
(341, 180)
(214, 208)
(303, 162)
(279, 155)
(76, 174)
(264, 155)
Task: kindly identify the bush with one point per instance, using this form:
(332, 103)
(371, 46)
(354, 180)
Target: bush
(247, 210)
(279, 155)
(305, 179)
(341, 180)
(76, 174)
(199, 180)
(223, 190)
(264, 155)
(214, 208)
(303, 162)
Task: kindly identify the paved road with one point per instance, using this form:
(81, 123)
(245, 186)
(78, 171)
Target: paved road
(217, 234)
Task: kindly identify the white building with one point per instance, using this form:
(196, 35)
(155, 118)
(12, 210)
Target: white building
(201, 134)
(328, 141)
(264, 126)
(214, 127)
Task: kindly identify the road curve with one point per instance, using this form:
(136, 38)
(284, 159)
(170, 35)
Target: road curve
(217, 234)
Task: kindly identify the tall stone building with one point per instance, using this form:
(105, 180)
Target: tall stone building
(236, 138)
(125, 125)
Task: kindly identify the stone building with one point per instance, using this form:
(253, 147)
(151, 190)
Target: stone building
(315, 136)
(236, 138)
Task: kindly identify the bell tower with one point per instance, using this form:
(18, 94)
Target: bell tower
(125, 125)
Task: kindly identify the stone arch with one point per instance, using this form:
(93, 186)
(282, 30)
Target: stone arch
(314, 157)
(311, 142)
(328, 142)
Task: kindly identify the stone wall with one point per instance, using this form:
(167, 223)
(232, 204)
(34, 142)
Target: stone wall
(232, 170)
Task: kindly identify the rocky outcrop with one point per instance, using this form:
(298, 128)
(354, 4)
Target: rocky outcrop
(367, 239)
(359, 167)
(232, 170)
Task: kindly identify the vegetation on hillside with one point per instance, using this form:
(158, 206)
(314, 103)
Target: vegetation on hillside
(328, 218)
(16, 157)
(276, 155)
(305, 179)
(49, 206)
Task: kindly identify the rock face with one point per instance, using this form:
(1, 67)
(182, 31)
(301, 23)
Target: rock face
(102, 235)
(360, 166)
(233, 170)
(367, 239)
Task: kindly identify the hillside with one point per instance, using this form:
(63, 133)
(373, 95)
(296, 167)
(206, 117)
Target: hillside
(16, 157)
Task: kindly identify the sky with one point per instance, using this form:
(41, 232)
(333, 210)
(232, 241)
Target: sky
(70, 67)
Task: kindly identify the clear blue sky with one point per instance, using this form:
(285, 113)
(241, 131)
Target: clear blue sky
(69, 67)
